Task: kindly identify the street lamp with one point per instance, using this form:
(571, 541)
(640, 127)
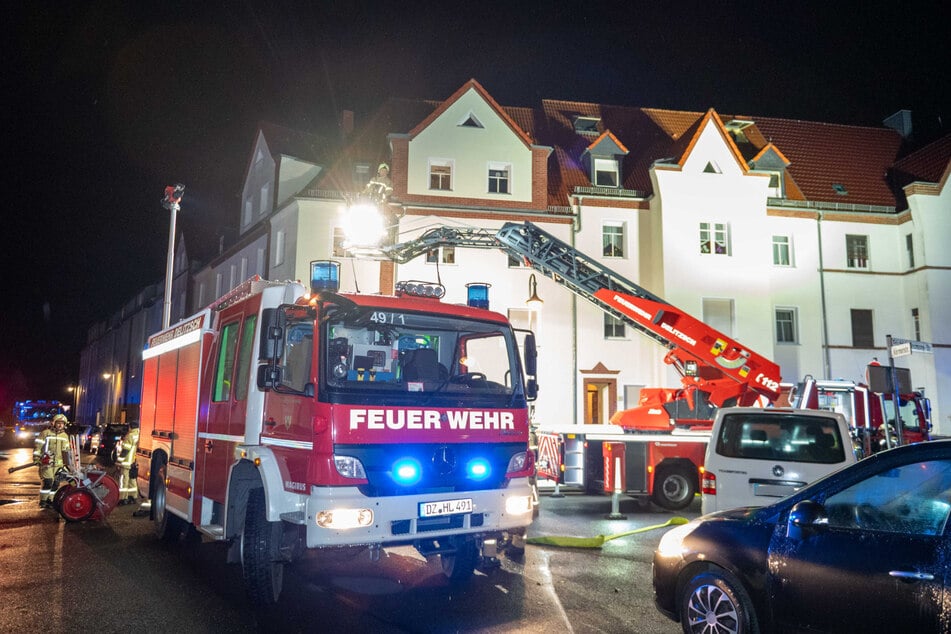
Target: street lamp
(534, 302)
(172, 200)
(74, 389)
(110, 405)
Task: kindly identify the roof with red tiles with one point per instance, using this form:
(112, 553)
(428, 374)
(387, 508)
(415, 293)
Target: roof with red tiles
(827, 163)
(928, 165)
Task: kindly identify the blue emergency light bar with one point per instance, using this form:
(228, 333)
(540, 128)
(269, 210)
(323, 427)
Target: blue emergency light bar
(324, 276)
(477, 295)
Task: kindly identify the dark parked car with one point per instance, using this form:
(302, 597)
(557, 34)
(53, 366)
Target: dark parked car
(865, 549)
(110, 438)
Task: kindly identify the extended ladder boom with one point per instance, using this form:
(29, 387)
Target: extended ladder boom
(689, 339)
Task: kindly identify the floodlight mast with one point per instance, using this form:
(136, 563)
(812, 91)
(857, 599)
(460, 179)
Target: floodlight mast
(172, 202)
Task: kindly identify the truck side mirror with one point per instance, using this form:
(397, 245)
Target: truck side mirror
(273, 321)
(269, 376)
(531, 355)
(531, 389)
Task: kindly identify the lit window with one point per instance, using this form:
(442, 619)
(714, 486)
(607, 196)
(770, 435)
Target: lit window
(440, 175)
(612, 239)
(613, 327)
(499, 178)
(786, 331)
(715, 238)
(856, 249)
(606, 173)
(782, 253)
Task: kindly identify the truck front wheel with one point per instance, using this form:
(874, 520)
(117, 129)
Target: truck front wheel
(261, 560)
(459, 566)
(674, 488)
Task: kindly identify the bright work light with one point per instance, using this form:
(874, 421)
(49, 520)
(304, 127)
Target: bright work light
(363, 226)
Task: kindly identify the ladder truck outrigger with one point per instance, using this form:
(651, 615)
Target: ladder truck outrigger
(280, 419)
(665, 436)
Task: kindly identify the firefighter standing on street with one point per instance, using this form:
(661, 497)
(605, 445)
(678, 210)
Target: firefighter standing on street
(50, 453)
(128, 490)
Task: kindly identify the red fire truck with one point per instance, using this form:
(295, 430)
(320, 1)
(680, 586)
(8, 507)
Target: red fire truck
(665, 437)
(867, 410)
(281, 420)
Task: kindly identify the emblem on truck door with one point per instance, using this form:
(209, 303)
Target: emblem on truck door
(778, 471)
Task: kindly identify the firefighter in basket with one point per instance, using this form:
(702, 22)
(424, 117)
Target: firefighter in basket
(128, 490)
(50, 453)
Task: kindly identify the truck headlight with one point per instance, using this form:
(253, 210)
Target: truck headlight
(341, 519)
(350, 467)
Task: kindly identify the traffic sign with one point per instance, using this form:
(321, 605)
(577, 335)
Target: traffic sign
(901, 350)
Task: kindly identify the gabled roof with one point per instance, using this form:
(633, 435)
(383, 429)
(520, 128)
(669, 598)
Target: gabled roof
(294, 143)
(930, 164)
(466, 87)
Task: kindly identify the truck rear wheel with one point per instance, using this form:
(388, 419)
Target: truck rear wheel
(459, 566)
(261, 560)
(167, 526)
(674, 488)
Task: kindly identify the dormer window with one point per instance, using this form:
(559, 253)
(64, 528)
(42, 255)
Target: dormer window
(587, 125)
(606, 172)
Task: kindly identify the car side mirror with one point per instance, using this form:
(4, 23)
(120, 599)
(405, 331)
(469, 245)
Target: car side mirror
(805, 518)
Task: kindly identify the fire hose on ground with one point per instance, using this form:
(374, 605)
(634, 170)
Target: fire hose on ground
(599, 540)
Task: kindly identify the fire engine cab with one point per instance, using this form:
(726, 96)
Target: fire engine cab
(281, 419)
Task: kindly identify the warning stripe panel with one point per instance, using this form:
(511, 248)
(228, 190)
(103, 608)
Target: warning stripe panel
(549, 464)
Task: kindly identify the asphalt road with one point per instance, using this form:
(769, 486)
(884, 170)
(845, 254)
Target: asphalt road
(113, 576)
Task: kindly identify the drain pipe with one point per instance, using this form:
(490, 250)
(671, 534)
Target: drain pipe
(827, 361)
(575, 229)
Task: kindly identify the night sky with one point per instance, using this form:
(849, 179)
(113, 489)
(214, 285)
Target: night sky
(106, 103)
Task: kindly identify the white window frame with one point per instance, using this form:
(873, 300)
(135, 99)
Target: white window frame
(614, 328)
(248, 211)
(613, 234)
(442, 164)
(279, 240)
(719, 313)
(781, 244)
(608, 167)
(788, 318)
(265, 194)
(503, 179)
(853, 257)
(713, 234)
(441, 255)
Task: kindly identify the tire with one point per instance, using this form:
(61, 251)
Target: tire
(674, 488)
(58, 496)
(459, 566)
(714, 601)
(166, 526)
(261, 561)
(77, 505)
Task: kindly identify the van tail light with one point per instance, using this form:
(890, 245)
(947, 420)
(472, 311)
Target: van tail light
(708, 486)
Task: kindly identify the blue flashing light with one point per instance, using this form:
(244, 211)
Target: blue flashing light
(478, 469)
(477, 295)
(324, 276)
(407, 471)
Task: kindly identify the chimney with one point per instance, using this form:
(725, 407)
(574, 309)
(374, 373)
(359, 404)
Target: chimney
(346, 123)
(900, 122)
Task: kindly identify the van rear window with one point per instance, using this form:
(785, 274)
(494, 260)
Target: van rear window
(792, 437)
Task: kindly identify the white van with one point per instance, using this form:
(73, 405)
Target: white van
(758, 455)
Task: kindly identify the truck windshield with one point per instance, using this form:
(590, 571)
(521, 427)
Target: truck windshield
(384, 356)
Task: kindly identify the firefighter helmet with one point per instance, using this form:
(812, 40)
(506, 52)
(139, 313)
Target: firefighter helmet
(60, 418)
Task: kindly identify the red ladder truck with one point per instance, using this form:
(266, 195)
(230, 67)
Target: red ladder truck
(666, 435)
(280, 420)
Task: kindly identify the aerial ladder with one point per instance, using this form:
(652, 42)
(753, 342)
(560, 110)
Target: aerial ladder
(716, 371)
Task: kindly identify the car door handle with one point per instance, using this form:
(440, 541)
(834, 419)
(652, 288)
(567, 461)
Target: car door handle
(911, 576)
